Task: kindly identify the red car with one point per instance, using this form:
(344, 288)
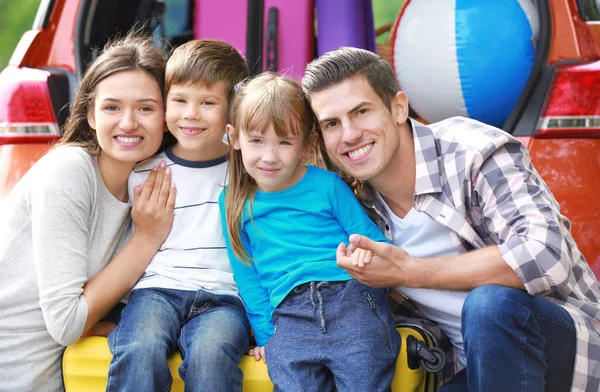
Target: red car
(557, 115)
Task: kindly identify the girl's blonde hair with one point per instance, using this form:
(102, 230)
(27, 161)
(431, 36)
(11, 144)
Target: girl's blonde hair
(267, 99)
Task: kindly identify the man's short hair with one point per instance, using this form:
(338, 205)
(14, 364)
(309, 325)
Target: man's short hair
(336, 66)
(206, 61)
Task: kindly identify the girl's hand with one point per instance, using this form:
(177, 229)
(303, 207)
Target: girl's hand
(258, 353)
(153, 204)
(359, 256)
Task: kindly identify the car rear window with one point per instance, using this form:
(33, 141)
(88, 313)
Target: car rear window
(589, 9)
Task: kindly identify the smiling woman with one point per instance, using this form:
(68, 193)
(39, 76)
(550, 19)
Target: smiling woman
(69, 215)
(128, 121)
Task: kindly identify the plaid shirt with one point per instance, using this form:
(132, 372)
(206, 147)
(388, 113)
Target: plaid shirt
(479, 182)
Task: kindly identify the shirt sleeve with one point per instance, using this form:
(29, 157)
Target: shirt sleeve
(255, 297)
(522, 216)
(135, 178)
(350, 213)
(61, 207)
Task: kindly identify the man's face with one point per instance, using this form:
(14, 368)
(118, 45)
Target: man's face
(360, 133)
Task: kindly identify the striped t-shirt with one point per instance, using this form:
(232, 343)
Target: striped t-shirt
(194, 255)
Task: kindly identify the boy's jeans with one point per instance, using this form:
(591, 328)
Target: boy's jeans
(514, 342)
(333, 332)
(210, 330)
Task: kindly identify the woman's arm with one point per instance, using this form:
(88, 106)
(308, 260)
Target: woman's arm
(61, 231)
(152, 215)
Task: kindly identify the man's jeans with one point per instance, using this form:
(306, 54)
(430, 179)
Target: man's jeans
(514, 342)
(210, 330)
(333, 332)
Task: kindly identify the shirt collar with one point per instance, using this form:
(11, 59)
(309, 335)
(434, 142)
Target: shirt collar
(427, 164)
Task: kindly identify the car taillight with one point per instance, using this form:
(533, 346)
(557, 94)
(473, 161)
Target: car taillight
(572, 108)
(26, 112)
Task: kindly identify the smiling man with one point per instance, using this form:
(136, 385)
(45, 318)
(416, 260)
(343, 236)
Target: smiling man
(478, 241)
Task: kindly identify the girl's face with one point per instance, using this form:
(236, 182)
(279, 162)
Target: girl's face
(128, 117)
(271, 160)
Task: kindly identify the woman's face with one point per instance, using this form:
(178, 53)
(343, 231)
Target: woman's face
(128, 117)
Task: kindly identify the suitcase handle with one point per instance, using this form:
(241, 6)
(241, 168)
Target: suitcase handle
(272, 44)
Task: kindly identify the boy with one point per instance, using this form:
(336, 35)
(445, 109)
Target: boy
(187, 297)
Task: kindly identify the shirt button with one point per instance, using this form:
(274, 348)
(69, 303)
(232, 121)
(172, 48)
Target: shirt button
(387, 227)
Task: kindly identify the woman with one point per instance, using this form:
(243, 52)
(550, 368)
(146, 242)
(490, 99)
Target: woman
(67, 217)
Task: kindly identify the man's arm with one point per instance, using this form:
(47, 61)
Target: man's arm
(391, 266)
(518, 211)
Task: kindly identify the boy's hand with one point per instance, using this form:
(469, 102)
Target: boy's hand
(258, 353)
(359, 256)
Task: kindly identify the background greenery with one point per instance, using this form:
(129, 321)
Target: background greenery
(385, 11)
(16, 17)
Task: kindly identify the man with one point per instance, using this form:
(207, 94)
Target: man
(479, 244)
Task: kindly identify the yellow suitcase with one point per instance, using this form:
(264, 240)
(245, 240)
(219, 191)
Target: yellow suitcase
(85, 368)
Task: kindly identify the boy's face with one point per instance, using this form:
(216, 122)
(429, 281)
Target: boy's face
(197, 115)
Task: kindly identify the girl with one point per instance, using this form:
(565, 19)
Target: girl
(64, 220)
(314, 325)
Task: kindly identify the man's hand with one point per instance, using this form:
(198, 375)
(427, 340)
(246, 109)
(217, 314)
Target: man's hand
(388, 264)
(391, 266)
(258, 353)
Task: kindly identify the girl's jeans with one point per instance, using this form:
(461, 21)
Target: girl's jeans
(210, 330)
(333, 333)
(514, 342)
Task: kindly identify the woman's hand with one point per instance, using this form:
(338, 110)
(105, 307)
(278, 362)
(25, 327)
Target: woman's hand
(153, 204)
(152, 214)
(102, 328)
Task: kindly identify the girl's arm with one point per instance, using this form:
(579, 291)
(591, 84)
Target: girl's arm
(350, 213)
(61, 232)
(254, 295)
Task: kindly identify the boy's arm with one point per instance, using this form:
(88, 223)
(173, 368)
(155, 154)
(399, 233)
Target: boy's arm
(254, 295)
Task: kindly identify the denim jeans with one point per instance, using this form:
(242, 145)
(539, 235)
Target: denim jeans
(210, 330)
(514, 342)
(330, 333)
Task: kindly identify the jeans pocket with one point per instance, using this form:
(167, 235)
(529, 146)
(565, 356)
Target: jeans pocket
(383, 323)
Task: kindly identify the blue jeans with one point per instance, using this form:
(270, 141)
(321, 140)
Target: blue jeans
(210, 330)
(514, 342)
(330, 333)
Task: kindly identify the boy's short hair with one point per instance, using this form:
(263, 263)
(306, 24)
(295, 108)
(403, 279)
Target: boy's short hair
(344, 63)
(206, 61)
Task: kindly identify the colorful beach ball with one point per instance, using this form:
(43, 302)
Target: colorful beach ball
(465, 57)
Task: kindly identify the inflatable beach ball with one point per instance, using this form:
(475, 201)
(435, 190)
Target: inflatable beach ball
(465, 57)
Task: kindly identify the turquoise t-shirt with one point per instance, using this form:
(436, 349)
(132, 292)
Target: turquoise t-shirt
(292, 239)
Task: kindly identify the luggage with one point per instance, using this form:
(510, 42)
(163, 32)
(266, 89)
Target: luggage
(283, 40)
(85, 368)
(345, 23)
